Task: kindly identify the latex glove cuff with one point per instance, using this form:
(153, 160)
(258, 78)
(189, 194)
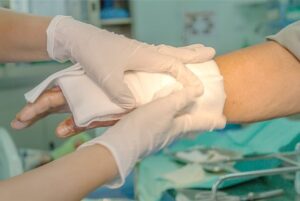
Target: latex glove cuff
(55, 46)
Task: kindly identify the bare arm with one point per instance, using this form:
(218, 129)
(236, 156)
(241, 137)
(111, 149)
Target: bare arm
(67, 179)
(22, 37)
(261, 82)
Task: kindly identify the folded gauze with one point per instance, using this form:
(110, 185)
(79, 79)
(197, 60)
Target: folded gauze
(89, 103)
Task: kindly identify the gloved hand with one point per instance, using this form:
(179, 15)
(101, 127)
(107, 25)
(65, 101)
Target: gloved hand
(147, 129)
(105, 56)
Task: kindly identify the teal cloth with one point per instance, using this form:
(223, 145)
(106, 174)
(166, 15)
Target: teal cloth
(259, 138)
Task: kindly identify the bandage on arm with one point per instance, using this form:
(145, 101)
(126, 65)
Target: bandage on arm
(89, 103)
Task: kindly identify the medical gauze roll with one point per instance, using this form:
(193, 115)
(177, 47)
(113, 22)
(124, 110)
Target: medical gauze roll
(89, 103)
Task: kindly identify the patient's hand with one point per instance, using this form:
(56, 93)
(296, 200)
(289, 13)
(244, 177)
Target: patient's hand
(52, 101)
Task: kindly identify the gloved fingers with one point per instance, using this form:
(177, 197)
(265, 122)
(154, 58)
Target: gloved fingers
(190, 54)
(148, 59)
(194, 46)
(181, 73)
(181, 125)
(52, 100)
(190, 123)
(68, 127)
(205, 53)
(187, 124)
(207, 122)
(179, 100)
(166, 91)
(118, 91)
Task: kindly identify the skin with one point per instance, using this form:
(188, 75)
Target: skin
(23, 37)
(67, 179)
(261, 82)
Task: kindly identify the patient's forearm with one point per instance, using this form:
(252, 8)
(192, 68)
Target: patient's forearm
(261, 82)
(67, 179)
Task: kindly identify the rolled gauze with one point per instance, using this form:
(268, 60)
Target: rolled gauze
(89, 103)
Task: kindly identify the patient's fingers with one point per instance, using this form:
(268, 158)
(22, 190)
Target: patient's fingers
(49, 102)
(68, 127)
(17, 124)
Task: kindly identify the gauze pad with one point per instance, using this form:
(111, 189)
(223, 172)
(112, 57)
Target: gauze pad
(89, 103)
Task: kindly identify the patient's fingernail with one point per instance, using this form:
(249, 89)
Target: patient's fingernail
(63, 131)
(18, 124)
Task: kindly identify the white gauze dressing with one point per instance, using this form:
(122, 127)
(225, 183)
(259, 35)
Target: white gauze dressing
(89, 103)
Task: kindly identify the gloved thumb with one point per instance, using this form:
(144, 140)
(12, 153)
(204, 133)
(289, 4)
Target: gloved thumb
(185, 124)
(118, 91)
(181, 99)
(174, 104)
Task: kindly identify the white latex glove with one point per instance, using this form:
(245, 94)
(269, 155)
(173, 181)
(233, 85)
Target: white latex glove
(105, 56)
(147, 129)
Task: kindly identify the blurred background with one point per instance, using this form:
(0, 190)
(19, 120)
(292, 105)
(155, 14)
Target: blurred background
(226, 25)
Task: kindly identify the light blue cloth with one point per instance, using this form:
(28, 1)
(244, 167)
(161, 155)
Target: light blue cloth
(265, 137)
